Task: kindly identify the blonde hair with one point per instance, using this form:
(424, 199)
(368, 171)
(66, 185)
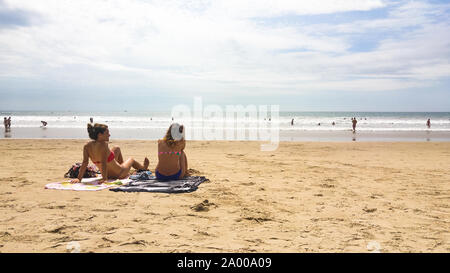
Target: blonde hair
(168, 138)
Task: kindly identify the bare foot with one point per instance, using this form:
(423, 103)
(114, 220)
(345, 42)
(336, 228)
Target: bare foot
(146, 163)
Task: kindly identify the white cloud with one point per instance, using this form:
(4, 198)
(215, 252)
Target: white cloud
(205, 46)
(275, 8)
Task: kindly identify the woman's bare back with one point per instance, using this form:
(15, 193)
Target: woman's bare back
(168, 162)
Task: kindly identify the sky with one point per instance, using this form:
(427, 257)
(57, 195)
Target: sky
(321, 55)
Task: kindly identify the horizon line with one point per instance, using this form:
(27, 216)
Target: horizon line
(162, 111)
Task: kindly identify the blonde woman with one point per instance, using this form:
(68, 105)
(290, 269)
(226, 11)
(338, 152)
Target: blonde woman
(172, 161)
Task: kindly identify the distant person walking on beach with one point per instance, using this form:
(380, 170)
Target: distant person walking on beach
(354, 121)
(172, 161)
(428, 123)
(109, 162)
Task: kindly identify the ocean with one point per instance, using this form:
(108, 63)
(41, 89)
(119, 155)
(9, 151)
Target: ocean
(382, 126)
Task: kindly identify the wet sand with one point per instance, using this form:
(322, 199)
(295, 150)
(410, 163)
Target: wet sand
(284, 135)
(303, 197)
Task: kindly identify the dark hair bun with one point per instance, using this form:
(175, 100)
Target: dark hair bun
(94, 130)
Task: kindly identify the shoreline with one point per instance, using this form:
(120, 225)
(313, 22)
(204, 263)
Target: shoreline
(283, 135)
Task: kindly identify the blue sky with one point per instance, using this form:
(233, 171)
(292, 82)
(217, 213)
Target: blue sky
(337, 55)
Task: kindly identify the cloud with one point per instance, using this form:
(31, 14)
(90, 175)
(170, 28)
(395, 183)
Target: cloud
(272, 8)
(219, 46)
(16, 17)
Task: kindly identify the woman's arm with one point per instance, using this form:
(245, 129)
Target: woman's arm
(83, 165)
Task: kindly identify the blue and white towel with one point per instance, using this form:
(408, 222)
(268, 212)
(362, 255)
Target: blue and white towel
(142, 175)
(187, 184)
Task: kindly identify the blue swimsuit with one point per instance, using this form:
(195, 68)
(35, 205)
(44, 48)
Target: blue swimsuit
(168, 177)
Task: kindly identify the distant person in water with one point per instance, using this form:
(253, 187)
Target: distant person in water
(9, 123)
(109, 162)
(92, 120)
(428, 123)
(172, 161)
(333, 123)
(44, 123)
(354, 121)
(5, 123)
(292, 122)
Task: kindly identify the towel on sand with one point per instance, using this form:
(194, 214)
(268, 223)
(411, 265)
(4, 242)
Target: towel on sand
(142, 175)
(87, 184)
(187, 184)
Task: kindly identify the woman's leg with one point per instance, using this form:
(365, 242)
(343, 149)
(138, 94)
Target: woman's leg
(126, 166)
(117, 154)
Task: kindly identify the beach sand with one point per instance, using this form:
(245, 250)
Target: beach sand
(303, 197)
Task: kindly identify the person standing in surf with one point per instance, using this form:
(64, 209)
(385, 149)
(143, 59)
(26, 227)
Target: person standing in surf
(5, 123)
(354, 121)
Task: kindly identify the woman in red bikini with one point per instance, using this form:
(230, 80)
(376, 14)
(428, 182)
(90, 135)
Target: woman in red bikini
(172, 161)
(109, 162)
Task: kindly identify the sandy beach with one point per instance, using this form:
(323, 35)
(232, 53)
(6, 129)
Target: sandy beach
(303, 197)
